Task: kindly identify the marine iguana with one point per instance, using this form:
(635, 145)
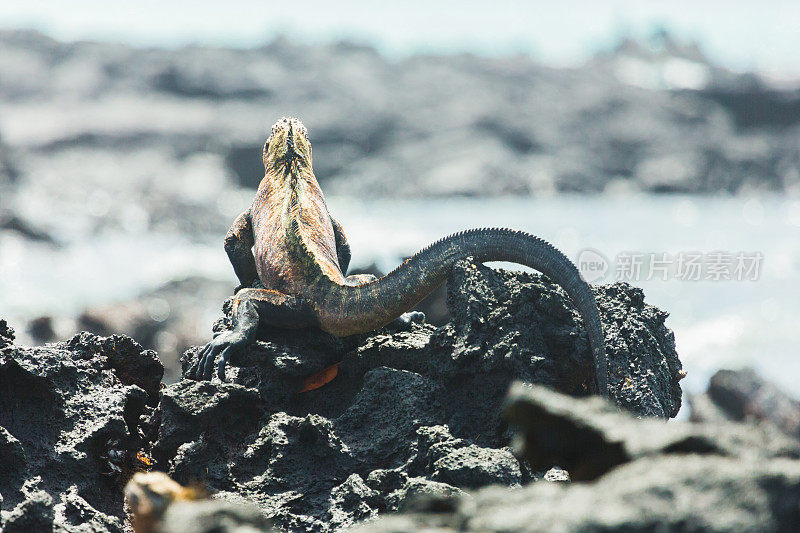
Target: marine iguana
(291, 257)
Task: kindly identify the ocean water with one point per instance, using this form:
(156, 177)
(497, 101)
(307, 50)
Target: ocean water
(717, 323)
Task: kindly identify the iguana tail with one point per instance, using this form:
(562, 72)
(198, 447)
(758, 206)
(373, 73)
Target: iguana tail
(347, 310)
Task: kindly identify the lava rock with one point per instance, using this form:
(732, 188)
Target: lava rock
(71, 418)
(189, 409)
(386, 412)
(34, 513)
(411, 422)
(132, 364)
(590, 437)
(673, 477)
(472, 466)
(669, 493)
(523, 323)
(6, 334)
(415, 410)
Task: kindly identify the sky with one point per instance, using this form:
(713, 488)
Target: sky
(741, 34)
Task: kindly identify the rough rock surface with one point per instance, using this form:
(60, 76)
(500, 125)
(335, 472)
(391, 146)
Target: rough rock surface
(65, 409)
(687, 477)
(413, 414)
(590, 437)
(6, 334)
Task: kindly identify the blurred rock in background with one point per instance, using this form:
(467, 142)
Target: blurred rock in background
(168, 320)
(172, 124)
(745, 396)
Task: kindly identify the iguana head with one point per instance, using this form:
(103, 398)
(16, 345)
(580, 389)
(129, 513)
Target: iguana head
(288, 150)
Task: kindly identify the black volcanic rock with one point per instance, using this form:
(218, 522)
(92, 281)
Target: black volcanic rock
(647, 476)
(6, 334)
(69, 414)
(413, 416)
(590, 437)
(413, 412)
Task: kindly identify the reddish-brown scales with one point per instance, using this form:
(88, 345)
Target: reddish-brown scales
(291, 258)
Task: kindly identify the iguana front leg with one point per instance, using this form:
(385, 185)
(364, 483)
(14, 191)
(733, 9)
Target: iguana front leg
(239, 247)
(342, 246)
(251, 307)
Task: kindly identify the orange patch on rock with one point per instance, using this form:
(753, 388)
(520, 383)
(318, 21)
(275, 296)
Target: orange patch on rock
(321, 378)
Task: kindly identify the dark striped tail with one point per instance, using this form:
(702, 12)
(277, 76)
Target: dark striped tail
(348, 310)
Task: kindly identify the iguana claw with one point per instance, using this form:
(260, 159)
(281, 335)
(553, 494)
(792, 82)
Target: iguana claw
(223, 345)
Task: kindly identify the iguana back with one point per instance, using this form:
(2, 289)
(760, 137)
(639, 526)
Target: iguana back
(288, 242)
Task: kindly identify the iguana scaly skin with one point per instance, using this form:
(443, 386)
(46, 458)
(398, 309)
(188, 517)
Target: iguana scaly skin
(291, 257)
